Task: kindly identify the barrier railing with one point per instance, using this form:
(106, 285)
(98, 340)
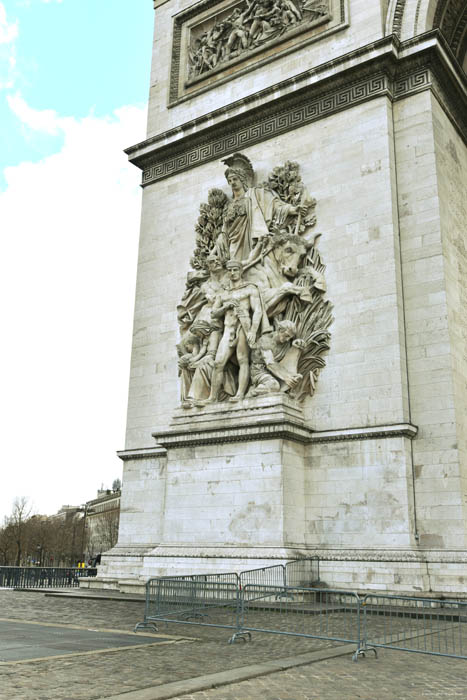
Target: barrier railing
(304, 612)
(253, 581)
(420, 625)
(375, 621)
(302, 572)
(191, 602)
(42, 577)
(228, 577)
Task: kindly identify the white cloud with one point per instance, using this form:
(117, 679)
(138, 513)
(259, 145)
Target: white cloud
(45, 120)
(67, 266)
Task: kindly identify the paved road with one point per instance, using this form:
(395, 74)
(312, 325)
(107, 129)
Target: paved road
(21, 641)
(195, 654)
(393, 676)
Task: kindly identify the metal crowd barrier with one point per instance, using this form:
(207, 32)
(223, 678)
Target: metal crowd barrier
(299, 572)
(420, 625)
(225, 578)
(42, 577)
(303, 612)
(302, 572)
(262, 600)
(253, 581)
(191, 602)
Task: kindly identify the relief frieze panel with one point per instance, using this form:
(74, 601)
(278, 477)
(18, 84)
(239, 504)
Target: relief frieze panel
(247, 26)
(215, 40)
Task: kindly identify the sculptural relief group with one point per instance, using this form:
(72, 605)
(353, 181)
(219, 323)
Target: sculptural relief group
(254, 319)
(248, 26)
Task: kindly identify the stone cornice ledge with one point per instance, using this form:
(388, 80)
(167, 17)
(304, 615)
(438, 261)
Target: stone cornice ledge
(383, 68)
(414, 556)
(326, 556)
(275, 430)
(369, 433)
(267, 430)
(153, 452)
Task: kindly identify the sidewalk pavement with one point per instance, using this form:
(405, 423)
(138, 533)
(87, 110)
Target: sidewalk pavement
(195, 663)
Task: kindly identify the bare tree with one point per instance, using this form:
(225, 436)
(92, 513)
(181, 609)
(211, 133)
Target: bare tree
(7, 545)
(18, 524)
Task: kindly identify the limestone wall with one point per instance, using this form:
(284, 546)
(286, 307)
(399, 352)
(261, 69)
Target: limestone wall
(451, 165)
(429, 346)
(142, 502)
(359, 495)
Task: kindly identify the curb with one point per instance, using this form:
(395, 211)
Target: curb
(235, 675)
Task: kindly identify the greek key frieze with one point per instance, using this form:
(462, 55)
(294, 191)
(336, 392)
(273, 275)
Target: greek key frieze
(266, 127)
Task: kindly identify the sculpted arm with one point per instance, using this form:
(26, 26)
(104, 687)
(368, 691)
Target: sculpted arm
(255, 303)
(279, 371)
(200, 354)
(219, 309)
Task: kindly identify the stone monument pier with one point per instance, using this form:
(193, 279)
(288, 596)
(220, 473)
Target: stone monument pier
(298, 375)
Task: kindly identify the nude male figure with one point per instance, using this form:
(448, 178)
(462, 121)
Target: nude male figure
(241, 307)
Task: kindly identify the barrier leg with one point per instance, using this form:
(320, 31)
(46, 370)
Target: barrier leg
(363, 647)
(145, 625)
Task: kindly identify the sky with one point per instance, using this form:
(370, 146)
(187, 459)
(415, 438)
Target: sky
(74, 81)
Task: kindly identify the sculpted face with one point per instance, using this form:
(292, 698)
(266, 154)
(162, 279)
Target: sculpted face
(285, 334)
(235, 183)
(235, 273)
(214, 264)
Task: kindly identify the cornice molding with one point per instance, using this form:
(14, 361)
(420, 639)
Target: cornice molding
(326, 555)
(372, 432)
(271, 430)
(384, 68)
(276, 430)
(142, 453)
(409, 556)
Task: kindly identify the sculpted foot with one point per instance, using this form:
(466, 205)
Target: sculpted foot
(204, 402)
(237, 397)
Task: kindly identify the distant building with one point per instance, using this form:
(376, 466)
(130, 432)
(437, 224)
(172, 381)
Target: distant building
(101, 522)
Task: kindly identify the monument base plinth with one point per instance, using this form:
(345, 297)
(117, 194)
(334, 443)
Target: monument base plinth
(233, 487)
(234, 484)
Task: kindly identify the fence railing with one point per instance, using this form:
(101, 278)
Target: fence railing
(42, 577)
(302, 572)
(244, 607)
(299, 572)
(303, 612)
(437, 627)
